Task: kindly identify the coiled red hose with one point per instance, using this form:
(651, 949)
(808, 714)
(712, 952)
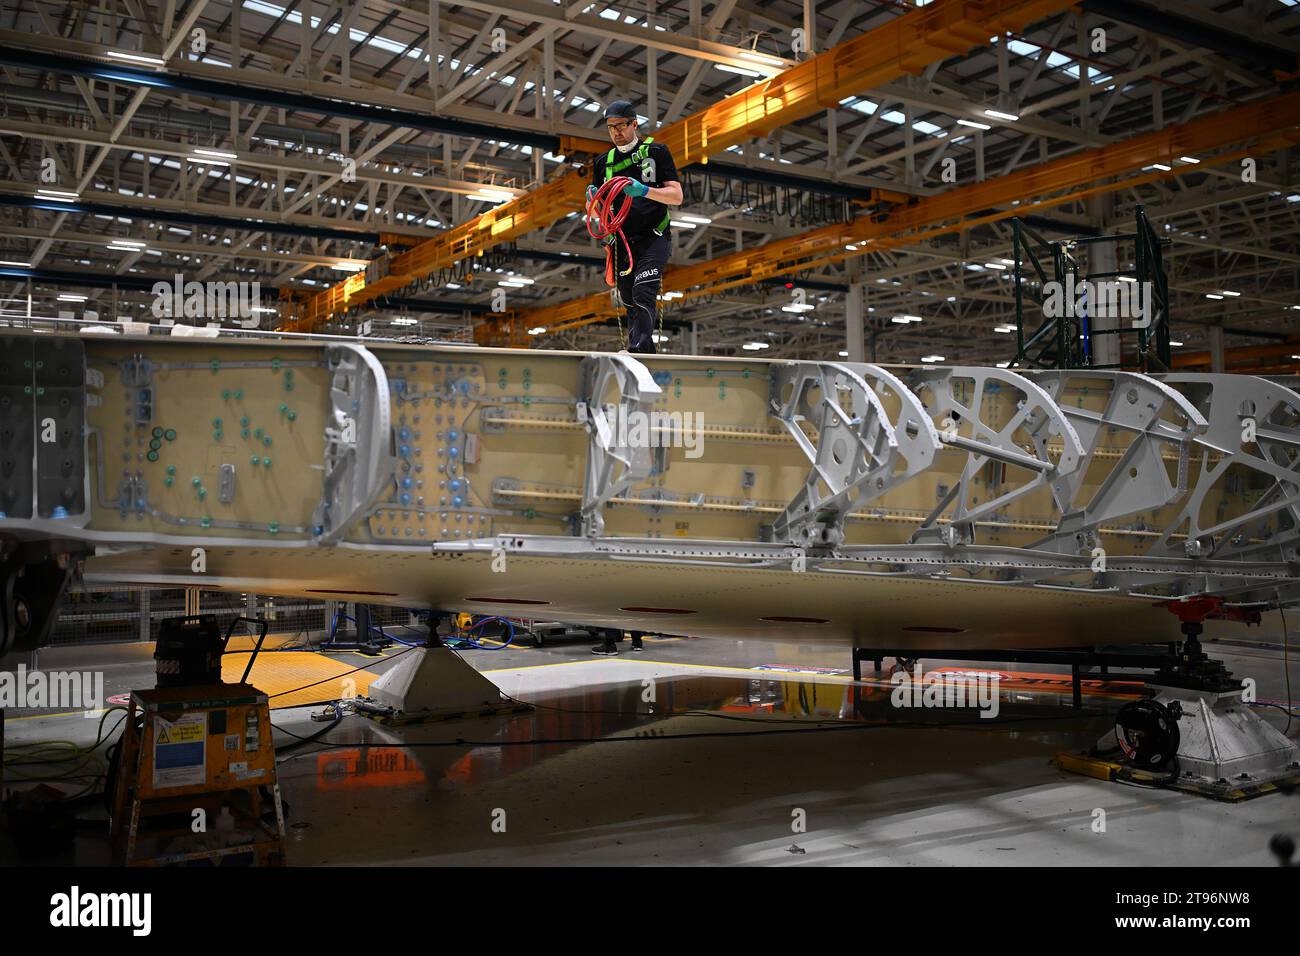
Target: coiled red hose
(606, 221)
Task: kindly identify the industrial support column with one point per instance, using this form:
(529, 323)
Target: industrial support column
(1216, 348)
(854, 311)
(1106, 349)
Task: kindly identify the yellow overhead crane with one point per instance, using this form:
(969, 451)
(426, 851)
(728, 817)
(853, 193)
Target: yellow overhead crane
(1267, 125)
(906, 44)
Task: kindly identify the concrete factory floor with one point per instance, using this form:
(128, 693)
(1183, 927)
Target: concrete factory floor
(618, 791)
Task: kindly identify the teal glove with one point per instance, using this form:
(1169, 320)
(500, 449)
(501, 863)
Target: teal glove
(635, 189)
(591, 194)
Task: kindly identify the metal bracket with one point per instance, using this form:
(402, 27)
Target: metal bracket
(1154, 416)
(1021, 441)
(359, 455)
(613, 464)
(1235, 406)
(862, 450)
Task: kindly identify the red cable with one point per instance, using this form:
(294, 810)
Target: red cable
(606, 220)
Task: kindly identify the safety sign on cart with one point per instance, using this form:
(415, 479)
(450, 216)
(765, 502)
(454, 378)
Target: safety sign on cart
(179, 757)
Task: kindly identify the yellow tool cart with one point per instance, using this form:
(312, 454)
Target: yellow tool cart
(195, 774)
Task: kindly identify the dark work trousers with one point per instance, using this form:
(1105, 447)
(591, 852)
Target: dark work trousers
(639, 289)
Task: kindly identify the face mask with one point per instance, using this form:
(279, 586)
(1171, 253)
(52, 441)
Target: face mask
(629, 147)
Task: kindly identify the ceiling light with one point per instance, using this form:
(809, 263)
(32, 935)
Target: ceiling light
(931, 358)
(673, 295)
(70, 297)
(909, 318)
(851, 247)
(1229, 292)
(738, 70)
(524, 279)
(844, 355)
(58, 195)
(702, 220)
(215, 153)
(1211, 295)
(136, 58)
(348, 266)
(1003, 364)
(28, 265)
(995, 265)
(1007, 262)
(998, 114)
(973, 125)
(658, 338)
(1160, 166)
(797, 308)
(1004, 328)
(683, 224)
(537, 330)
(1188, 159)
(754, 346)
(1175, 344)
(510, 284)
(453, 285)
(761, 58)
(403, 320)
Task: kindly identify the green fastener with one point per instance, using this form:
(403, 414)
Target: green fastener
(527, 385)
(155, 444)
(152, 456)
(292, 415)
(258, 434)
(275, 364)
(239, 394)
(157, 433)
(205, 522)
(218, 435)
(216, 423)
(171, 469)
(169, 481)
(530, 514)
(283, 408)
(170, 434)
(502, 373)
(244, 421)
(216, 364)
(225, 394)
(273, 527)
(267, 441)
(243, 433)
(266, 463)
(288, 385)
(196, 481)
(528, 400)
(254, 460)
(745, 374)
(203, 493)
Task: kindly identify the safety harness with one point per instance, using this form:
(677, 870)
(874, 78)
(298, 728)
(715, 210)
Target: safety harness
(635, 158)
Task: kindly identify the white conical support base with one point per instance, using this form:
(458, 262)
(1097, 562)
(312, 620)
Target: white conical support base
(433, 681)
(1221, 738)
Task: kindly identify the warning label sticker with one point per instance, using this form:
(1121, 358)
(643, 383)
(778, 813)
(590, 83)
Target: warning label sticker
(179, 753)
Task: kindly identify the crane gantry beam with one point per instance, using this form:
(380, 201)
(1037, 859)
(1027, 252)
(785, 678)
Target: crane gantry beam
(1268, 124)
(906, 44)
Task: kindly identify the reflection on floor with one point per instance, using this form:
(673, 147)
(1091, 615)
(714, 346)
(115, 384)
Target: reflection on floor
(699, 752)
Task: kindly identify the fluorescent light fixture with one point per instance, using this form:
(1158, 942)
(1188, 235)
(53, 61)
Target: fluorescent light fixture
(491, 195)
(1211, 295)
(1007, 262)
(998, 114)
(348, 266)
(1126, 279)
(1161, 166)
(28, 265)
(58, 195)
(995, 265)
(510, 284)
(1230, 292)
(1004, 364)
(537, 330)
(658, 338)
(973, 125)
(798, 308)
(899, 320)
(524, 279)
(673, 295)
(851, 247)
(263, 308)
(755, 346)
(214, 153)
(403, 320)
(1188, 159)
(931, 358)
(129, 243)
(1175, 344)
(453, 285)
(738, 70)
(136, 58)
(683, 224)
(69, 297)
(760, 58)
(1004, 328)
(909, 318)
(702, 220)
(844, 355)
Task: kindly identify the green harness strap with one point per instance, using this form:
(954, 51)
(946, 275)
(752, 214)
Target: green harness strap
(637, 157)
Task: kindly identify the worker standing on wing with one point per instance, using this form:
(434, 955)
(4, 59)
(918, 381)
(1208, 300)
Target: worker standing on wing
(653, 189)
